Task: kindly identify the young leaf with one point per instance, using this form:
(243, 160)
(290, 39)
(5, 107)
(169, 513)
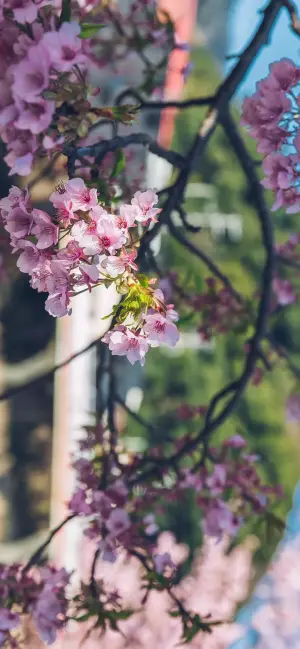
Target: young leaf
(88, 30)
(65, 15)
(120, 162)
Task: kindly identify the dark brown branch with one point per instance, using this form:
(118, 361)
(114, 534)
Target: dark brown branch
(93, 585)
(100, 150)
(184, 220)
(11, 392)
(161, 105)
(293, 11)
(206, 259)
(257, 193)
(288, 262)
(35, 558)
(135, 415)
(239, 385)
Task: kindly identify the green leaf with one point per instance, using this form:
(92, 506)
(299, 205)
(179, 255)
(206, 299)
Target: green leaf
(120, 162)
(88, 30)
(82, 618)
(102, 187)
(185, 319)
(124, 615)
(144, 280)
(65, 15)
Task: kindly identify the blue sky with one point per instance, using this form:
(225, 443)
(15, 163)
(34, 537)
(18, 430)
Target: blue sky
(284, 43)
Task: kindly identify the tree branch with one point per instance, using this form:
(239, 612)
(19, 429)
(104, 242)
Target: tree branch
(100, 150)
(11, 392)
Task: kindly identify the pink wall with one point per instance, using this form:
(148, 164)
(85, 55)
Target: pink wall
(183, 13)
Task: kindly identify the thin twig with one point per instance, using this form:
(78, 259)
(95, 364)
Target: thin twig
(34, 559)
(11, 392)
(101, 149)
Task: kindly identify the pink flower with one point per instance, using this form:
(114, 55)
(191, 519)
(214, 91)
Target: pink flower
(18, 222)
(64, 47)
(217, 480)
(78, 503)
(90, 272)
(21, 166)
(160, 330)
(118, 493)
(8, 620)
(64, 212)
(31, 76)
(57, 304)
(115, 266)
(269, 140)
(143, 202)
(58, 279)
(127, 217)
(289, 199)
(44, 229)
(71, 254)
(29, 258)
(163, 561)
(50, 609)
(107, 549)
(21, 146)
(284, 74)
(284, 291)
(110, 237)
(50, 143)
(118, 522)
(235, 441)
(36, 117)
(191, 480)
(219, 519)
(16, 198)
(41, 273)
(292, 408)
(279, 170)
(151, 525)
(265, 108)
(57, 283)
(123, 342)
(81, 196)
(26, 11)
(86, 237)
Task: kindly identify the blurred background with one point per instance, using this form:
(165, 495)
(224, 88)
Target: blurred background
(39, 426)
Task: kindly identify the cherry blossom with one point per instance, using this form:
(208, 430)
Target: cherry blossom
(64, 47)
(160, 330)
(123, 342)
(293, 408)
(143, 203)
(117, 522)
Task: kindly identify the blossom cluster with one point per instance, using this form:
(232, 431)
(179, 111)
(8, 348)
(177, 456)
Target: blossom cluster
(35, 61)
(100, 251)
(39, 593)
(288, 255)
(137, 28)
(110, 517)
(46, 97)
(228, 489)
(218, 581)
(220, 310)
(272, 115)
(292, 408)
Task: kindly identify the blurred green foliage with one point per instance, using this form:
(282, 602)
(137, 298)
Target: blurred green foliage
(193, 376)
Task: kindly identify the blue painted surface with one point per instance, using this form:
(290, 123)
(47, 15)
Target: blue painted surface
(243, 22)
(251, 638)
